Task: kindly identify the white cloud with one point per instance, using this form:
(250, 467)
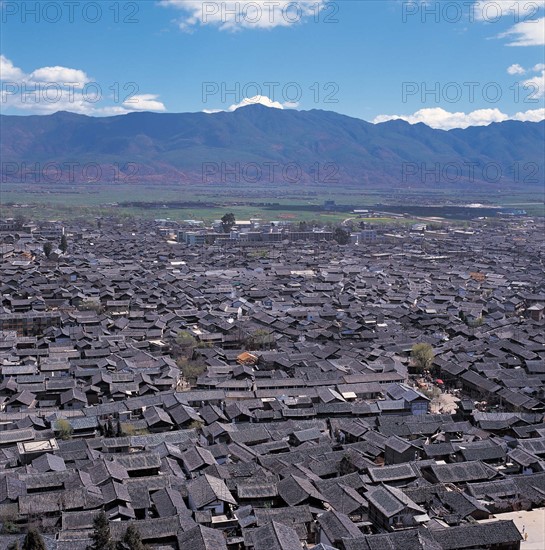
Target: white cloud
(536, 115)
(57, 75)
(444, 120)
(60, 75)
(536, 85)
(291, 104)
(50, 89)
(528, 27)
(516, 69)
(45, 90)
(8, 71)
(233, 15)
(144, 102)
(256, 100)
(526, 33)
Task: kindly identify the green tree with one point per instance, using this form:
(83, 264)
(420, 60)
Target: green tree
(101, 536)
(422, 356)
(64, 244)
(64, 428)
(346, 466)
(342, 236)
(33, 541)
(195, 425)
(89, 304)
(109, 428)
(132, 540)
(8, 519)
(185, 339)
(20, 220)
(191, 370)
(259, 339)
(227, 222)
(47, 248)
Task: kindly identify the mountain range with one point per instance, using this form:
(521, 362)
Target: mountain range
(257, 144)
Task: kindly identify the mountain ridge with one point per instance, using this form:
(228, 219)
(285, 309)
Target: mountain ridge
(181, 147)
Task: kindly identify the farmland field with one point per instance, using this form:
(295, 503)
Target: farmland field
(209, 202)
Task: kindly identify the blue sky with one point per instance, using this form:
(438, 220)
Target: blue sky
(480, 61)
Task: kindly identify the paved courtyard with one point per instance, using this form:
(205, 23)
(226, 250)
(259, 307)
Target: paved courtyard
(446, 403)
(532, 522)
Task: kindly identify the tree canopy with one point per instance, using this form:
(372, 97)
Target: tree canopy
(227, 222)
(101, 536)
(33, 541)
(132, 539)
(422, 356)
(185, 339)
(47, 248)
(64, 244)
(64, 428)
(342, 236)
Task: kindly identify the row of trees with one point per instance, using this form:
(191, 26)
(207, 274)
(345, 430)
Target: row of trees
(108, 429)
(341, 235)
(65, 430)
(259, 339)
(48, 246)
(102, 537)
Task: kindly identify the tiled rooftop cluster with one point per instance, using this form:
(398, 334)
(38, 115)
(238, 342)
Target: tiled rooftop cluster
(262, 396)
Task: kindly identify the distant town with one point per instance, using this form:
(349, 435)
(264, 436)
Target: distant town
(248, 385)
